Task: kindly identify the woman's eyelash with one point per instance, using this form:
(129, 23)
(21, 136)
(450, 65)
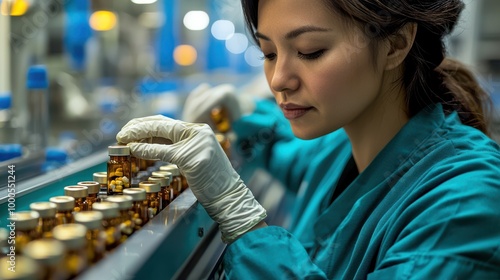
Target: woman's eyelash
(311, 56)
(270, 56)
(307, 56)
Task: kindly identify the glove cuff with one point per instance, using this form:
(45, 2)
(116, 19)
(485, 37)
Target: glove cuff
(229, 237)
(236, 212)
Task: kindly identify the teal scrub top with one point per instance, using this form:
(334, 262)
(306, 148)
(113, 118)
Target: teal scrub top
(427, 207)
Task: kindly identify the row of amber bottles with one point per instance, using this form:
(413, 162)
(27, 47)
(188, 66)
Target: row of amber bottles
(83, 225)
(63, 255)
(86, 237)
(122, 168)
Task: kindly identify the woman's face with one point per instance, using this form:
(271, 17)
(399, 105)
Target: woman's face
(320, 70)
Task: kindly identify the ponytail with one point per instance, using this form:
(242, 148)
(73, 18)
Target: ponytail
(472, 102)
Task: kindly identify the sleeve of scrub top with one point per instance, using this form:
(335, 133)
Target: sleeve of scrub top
(453, 230)
(269, 253)
(266, 140)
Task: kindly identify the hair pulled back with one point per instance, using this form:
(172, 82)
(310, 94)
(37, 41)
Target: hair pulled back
(428, 76)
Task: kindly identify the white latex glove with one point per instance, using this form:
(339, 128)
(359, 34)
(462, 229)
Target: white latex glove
(202, 161)
(204, 98)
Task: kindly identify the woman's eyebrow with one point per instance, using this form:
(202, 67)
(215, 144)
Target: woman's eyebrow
(296, 32)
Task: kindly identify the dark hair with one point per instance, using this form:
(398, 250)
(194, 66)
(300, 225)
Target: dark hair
(428, 77)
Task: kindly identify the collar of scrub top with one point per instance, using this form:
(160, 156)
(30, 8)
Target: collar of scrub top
(385, 170)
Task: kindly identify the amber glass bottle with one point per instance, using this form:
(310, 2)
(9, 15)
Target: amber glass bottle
(139, 206)
(93, 193)
(26, 223)
(178, 182)
(26, 268)
(96, 238)
(126, 213)
(73, 238)
(49, 254)
(165, 193)
(152, 196)
(47, 221)
(119, 169)
(79, 193)
(102, 179)
(111, 222)
(64, 209)
(220, 118)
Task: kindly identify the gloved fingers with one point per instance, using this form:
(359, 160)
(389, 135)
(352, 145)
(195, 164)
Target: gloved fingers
(151, 151)
(199, 105)
(139, 129)
(228, 98)
(191, 112)
(199, 90)
(169, 129)
(143, 119)
(196, 110)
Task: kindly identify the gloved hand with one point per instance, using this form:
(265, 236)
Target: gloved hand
(204, 98)
(202, 161)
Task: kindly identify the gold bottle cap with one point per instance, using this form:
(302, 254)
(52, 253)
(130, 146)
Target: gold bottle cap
(63, 203)
(93, 186)
(90, 219)
(45, 209)
(124, 201)
(25, 268)
(72, 235)
(119, 150)
(108, 209)
(137, 194)
(163, 181)
(25, 220)
(150, 186)
(163, 173)
(76, 191)
(46, 251)
(101, 177)
(172, 168)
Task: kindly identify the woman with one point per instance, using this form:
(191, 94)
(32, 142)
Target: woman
(399, 178)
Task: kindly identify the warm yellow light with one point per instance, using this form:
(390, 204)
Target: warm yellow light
(18, 7)
(185, 55)
(102, 20)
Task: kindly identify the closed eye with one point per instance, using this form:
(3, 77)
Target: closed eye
(270, 56)
(311, 56)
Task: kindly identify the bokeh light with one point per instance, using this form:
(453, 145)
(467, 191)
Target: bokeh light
(222, 29)
(237, 44)
(185, 55)
(196, 20)
(253, 56)
(17, 8)
(142, 2)
(102, 20)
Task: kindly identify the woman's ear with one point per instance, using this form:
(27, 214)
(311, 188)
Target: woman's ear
(400, 45)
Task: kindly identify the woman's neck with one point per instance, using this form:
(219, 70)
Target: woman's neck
(379, 123)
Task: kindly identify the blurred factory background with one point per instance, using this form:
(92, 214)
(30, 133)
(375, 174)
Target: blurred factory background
(107, 61)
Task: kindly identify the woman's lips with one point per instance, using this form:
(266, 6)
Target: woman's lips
(294, 111)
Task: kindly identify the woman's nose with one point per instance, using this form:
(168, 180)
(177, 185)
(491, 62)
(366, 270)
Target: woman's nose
(284, 77)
